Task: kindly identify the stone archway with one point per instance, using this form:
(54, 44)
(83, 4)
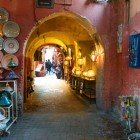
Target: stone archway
(68, 29)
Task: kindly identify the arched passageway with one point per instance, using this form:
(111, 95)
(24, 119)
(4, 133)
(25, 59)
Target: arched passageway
(54, 111)
(70, 32)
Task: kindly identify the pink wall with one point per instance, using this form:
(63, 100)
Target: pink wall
(101, 16)
(131, 77)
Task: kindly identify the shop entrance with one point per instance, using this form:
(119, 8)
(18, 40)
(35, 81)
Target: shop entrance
(80, 45)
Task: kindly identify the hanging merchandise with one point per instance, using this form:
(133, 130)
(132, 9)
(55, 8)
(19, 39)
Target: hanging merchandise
(11, 75)
(11, 29)
(11, 63)
(4, 15)
(4, 101)
(10, 45)
(8, 88)
(9, 60)
(128, 112)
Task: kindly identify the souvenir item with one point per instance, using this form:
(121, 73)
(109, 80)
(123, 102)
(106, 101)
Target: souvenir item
(8, 88)
(1, 29)
(4, 101)
(2, 117)
(4, 15)
(10, 45)
(7, 58)
(11, 75)
(1, 43)
(11, 29)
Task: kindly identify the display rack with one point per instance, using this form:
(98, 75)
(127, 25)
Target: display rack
(12, 110)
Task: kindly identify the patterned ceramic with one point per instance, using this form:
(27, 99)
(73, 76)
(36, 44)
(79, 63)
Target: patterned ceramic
(10, 45)
(4, 15)
(7, 58)
(11, 29)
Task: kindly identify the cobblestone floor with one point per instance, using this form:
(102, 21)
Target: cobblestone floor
(53, 112)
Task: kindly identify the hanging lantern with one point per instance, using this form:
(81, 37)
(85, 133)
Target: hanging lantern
(85, 73)
(93, 56)
(11, 75)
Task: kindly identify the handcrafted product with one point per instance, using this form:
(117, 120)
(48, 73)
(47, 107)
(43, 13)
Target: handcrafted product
(10, 45)
(7, 58)
(4, 15)
(11, 29)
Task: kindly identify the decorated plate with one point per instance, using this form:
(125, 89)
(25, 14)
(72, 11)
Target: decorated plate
(4, 15)
(1, 55)
(7, 58)
(11, 29)
(1, 30)
(1, 43)
(10, 45)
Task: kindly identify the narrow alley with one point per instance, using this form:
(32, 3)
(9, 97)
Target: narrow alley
(54, 112)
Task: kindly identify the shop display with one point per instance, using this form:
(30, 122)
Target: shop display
(7, 58)
(11, 75)
(11, 29)
(8, 106)
(10, 45)
(4, 101)
(4, 15)
(128, 112)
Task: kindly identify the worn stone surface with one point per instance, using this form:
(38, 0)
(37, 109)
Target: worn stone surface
(54, 112)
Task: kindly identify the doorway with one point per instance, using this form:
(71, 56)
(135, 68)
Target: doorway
(80, 37)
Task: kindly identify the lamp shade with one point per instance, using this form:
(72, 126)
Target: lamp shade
(91, 73)
(85, 73)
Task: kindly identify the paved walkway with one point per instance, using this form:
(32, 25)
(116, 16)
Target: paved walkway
(53, 112)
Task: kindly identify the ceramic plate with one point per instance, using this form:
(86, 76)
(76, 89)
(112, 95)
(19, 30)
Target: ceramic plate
(1, 43)
(6, 59)
(11, 29)
(1, 55)
(1, 30)
(4, 15)
(10, 45)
